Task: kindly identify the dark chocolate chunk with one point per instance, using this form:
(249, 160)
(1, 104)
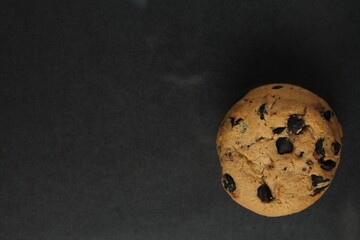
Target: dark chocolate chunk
(235, 122)
(301, 154)
(319, 149)
(318, 179)
(295, 124)
(303, 129)
(336, 147)
(228, 183)
(309, 162)
(328, 165)
(277, 87)
(262, 111)
(264, 193)
(318, 190)
(278, 130)
(284, 145)
(327, 115)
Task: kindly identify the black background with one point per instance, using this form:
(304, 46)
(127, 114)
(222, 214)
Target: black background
(109, 112)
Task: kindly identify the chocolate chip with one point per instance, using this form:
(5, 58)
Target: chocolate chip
(235, 122)
(318, 190)
(277, 87)
(301, 154)
(284, 145)
(309, 162)
(318, 179)
(262, 111)
(264, 193)
(327, 115)
(278, 130)
(295, 124)
(328, 165)
(303, 129)
(319, 149)
(228, 183)
(336, 147)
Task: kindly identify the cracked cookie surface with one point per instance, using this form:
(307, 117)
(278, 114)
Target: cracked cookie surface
(279, 148)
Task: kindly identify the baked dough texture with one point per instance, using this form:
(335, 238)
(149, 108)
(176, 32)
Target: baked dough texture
(279, 148)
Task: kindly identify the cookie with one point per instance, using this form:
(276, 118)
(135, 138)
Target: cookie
(279, 148)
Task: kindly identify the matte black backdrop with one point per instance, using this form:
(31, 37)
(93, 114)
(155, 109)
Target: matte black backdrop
(109, 112)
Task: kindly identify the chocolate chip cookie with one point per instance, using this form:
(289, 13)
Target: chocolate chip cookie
(279, 148)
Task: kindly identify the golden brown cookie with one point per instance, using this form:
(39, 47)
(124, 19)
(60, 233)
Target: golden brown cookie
(279, 148)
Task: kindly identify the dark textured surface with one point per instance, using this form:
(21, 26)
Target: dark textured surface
(109, 113)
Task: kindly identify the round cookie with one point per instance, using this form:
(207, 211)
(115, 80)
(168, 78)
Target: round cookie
(279, 148)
